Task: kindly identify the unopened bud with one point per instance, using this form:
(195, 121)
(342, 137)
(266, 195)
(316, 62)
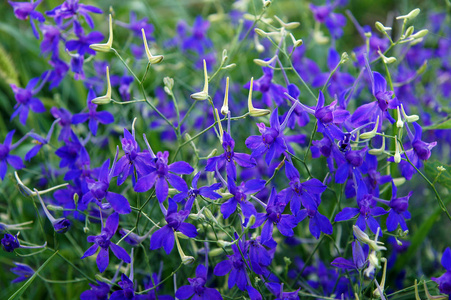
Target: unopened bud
(409, 31)
(152, 59)
(215, 252)
(229, 67)
(287, 26)
(266, 3)
(255, 112)
(399, 123)
(224, 55)
(344, 57)
(251, 221)
(410, 16)
(260, 32)
(381, 27)
(105, 99)
(224, 244)
(420, 34)
(225, 105)
(422, 68)
(212, 153)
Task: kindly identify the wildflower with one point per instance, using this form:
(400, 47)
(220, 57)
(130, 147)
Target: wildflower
(93, 115)
(277, 290)
(160, 172)
(359, 260)
(25, 10)
(306, 193)
(197, 287)
(165, 236)
(132, 160)
(98, 292)
(61, 225)
(40, 141)
(367, 211)
(70, 9)
(6, 158)
(274, 216)
(128, 291)
(11, 242)
(72, 153)
(26, 100)
(444, 281)
(136, 25)
(270, 142)
(317, 222)
(229, 158)
(23, 271)
(194, 191)
(103, 241)
(64, 120)
(98, 190)
(81, 45)
(239, 196)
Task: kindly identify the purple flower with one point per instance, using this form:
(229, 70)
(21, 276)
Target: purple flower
(367, 211)
(306, 193)
(194, 191)
(40, 142)
(64, 120)
(26, 100)
(25, 10)
(271, 92)
(240, 194)
(98, 190)
(334, 22)
(236, 266)
(58, 73)
(197, 287)
(97, 292)
(136, 25)
(23, 271)
(103, 241)
(229, 158)
(353, 160)
(69, 10)
(6, 158)
(132, 160)
(127, 292)
(421, 149)
(81, 45)
(359, 260)
(274, 216)
(10, 242)
(93, 116)
(270, 142)
(444, 281)
(259, 257)
(164, 237)
(72, 153)
(317, 222)
(51, 38)
(369, 112)
(160, 172)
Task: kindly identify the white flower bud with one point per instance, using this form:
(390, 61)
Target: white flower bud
(108, 45)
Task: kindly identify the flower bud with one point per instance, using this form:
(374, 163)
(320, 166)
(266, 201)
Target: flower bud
(224, 244)
(265, 63)
(212, 153)
(260, 32)
(387, 60)
(411, 118)
(422, 68)
(344, 57)
(215, 252)
(397, 157)
(382, 28)
(224, 55)
(420, 34)
(266, 3)
(409, 31)
(108, 45)
(296, 43)
(410, 16)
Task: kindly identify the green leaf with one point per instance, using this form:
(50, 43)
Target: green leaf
(20, 291)
(430, 168)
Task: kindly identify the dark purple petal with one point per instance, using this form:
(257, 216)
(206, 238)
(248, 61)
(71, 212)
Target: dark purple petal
(253, 186)
(184, 292)
(103, 259)
(223, 268)
(180, 167)
(228, 207)
(201, 271)
(177, 182)
(80, 118)
(161, 189)
(120, 253)
(346, 214)
(119, 203)
(104, 117)
(343, 263)
(91, 251)
(145, 183)
(446, 259)
(15, 161)
(188, 229)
